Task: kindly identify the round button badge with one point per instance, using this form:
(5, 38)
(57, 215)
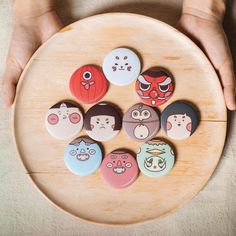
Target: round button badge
(179, 120)
(83, 156)
(119, 169)
(141, 122)
(154, 86)
(64, 120)
(121, 66)
(102, 122)
(88, 84)
(155, 158)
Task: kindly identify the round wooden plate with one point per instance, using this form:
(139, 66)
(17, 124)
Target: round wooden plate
(45, 81)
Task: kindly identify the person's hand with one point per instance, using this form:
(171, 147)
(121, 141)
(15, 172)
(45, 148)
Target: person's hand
(210, 36)
(28, 34)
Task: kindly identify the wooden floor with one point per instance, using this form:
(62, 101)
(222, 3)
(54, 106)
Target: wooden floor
(23, 211)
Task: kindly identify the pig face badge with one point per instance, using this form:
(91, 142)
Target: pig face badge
(155, 158)
(83, 156)
(179, 120)
(64, 120)
(154, 87)
(119, 169)
(141, 122)
(121, 66)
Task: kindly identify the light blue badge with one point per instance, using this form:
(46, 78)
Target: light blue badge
(155, 158)
(83, 156)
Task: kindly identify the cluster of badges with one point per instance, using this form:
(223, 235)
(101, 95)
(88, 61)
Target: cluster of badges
(103, 121)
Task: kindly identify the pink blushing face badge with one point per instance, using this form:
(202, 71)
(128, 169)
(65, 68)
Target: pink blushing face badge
(119, 169)
(64, 120)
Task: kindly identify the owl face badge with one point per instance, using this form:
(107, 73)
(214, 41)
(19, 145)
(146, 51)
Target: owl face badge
(155, 158)
(88, 84)
(121, 66)
(64, 120)
(102, 122)
(119, 169)
(179, 120)
(141, 122)
(83, 156)
(154, 87)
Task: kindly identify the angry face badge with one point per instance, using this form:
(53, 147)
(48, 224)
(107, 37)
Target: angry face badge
(119, 169)
(155, 158)
(154, 87)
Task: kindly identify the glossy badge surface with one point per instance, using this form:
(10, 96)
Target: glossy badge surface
(64, 120)
(155, 158)
(119, 169)
(102, 122)
(154, 86)
(88, 84)
(179, 120)
(141, 122)
(121, 66)
(83, 156)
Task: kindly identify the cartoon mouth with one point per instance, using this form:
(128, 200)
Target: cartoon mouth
(158, 98)
(119, 170)
(102, 127)
(83, 157)
(155, 151)
(179, 124)
(121, 69)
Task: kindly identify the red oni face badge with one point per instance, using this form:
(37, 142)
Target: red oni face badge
(154, 87)
(119, 169)
(88, 84)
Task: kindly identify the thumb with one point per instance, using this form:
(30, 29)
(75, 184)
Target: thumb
(10, 78)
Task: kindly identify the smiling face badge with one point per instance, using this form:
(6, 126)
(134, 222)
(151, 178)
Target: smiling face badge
(102, 122)
(154, 87)
(155, 158)
(83, 156)
(179, 120)
(64, 120)
(119, 169)
(121, 66)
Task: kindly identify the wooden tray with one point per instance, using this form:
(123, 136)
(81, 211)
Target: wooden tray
(45, 82)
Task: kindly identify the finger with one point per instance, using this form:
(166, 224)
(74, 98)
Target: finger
(227, 76)
(10, 78)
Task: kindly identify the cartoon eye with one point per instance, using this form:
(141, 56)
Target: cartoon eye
(128, 164)
(146, 113)
(164, 88)
(92, 151)
(117, 58)
(109, 165)
(116, 64)
(144, 87)
(125, 57)
(73, 152)
(126, 64)
(135, 114)
(87, 75)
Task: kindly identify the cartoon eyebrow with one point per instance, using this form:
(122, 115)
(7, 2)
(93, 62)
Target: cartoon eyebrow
(175, 116)
(167, 81)
(142, 80)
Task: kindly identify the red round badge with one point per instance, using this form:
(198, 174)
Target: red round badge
(88, 84)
